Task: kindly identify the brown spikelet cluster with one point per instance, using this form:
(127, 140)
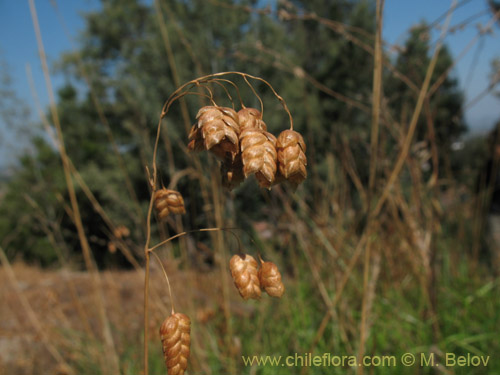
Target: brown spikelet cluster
(249, 279)
(168, 202)
(292, 156)
(244, 269)
(175, 338)
(246, 148)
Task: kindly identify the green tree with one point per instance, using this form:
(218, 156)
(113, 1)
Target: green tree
(134, 55)
(442, 120)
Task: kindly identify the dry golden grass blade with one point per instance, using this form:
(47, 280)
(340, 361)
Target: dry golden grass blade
(377, 96)
(113, 363)
(464, 52)
(414, 120)
(171, 60)
(125, 250)
(32, 315)
(139, 217)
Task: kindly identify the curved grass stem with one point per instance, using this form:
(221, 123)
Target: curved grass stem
(168, 281)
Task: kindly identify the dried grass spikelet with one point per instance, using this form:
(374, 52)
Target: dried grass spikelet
(121, 231)
(291, 156)
(245, 275)
(175, 338)
(270, 279)
(168, 202)
(196, 142)
(259, 156)
(251, 118)
(217, 130)
(232, 172)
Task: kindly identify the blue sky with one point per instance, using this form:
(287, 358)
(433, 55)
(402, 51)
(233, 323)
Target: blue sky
(18, 49)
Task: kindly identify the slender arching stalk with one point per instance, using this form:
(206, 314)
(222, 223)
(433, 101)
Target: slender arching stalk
(208, 83)
(168, 281)
(220, 84)
(255, 93)
(207, 78)
(178, 235)
(151, 250)
(235, 87)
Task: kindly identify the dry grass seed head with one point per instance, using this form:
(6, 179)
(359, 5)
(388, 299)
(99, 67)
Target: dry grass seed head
(168, 202)
(270, 279)
(175, 337)
(251, 118)
(291, 156)
(196, 142)
(219, 129)
(259, 156)
(232, 172)
(244, 270)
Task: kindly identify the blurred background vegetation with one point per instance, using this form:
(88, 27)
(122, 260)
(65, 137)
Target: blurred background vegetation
(430, 283)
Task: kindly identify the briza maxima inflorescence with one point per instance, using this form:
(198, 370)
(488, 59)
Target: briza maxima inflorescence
(270, 279)
(292, 156)
(168, 202)
(245, 147)
(244, 270)
(250, 279)
(217, 130)
(259, 156)
(176, 340)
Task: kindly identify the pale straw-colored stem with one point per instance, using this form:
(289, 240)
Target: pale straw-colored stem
(113, 363)
(414, 120)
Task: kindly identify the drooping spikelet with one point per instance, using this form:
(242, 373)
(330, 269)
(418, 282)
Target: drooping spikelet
(259, 156)
(270, 279)
(168, 202)
(175, 338)
(245, 275)
(232, 172)
(217, 130)
(195, 139)
(251, 118)
(292, 156)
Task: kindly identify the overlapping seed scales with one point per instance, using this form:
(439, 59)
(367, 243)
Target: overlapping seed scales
(270, 279)
(291, 156)
(259, 156)
(217, 130)
(232, 173)
(168, 202)
(251, 118)
(175, 337)
(245, 275)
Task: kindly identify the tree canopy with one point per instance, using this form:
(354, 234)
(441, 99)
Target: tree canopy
(132, 56)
